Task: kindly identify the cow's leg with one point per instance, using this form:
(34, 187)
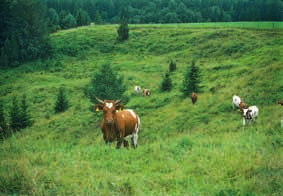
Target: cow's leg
(120, 141)
(126, 143)
(244, 121)
(135, 140)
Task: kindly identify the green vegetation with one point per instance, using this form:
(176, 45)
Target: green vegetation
(184, 149)
(62, 103)
(191, 79)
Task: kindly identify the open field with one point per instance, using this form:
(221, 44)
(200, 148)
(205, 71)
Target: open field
(184, 149)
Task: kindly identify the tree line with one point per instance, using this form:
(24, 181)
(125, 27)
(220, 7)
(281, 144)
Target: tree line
(173, 11)
(26, 24)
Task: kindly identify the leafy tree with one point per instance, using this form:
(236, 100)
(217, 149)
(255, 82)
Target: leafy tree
(67, 20)
(166, 84)
(62, 103)
(106, 84)
(191, 80)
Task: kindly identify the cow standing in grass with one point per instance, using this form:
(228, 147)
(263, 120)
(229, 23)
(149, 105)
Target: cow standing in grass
(146, 92)
(194, 97)
(117, 125)
(249, 115)
(238, 103)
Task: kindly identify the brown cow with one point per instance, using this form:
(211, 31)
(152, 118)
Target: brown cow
(280, 102)
(146, 92)
(194, 97)
(118, 125)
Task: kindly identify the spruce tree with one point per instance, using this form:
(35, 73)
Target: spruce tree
(106, 84)
(26, 118)
(172, 66)
(3, 124)
(191, 80)
(62, 103)
(15, 115)
(123, 30)
(166, 84)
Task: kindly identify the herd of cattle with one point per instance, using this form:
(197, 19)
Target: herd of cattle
(120, 125)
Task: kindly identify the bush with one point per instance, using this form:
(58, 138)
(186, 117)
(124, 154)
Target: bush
(172, 66)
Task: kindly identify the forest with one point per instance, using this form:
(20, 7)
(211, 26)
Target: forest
(24, 36)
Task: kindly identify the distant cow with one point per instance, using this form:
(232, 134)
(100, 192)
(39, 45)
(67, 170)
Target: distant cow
(238, 102)
(280, 102)
(249, 114)
(194, 97)
(137, 89)
(118, 125)
(146, 92)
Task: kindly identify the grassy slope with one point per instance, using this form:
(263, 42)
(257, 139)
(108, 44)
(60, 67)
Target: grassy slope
(197, 150)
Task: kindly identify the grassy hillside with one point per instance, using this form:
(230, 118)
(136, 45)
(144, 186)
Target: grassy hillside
(184, 149)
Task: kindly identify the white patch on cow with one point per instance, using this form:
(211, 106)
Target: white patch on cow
(109, 105)
(236, 100)
(132, 113)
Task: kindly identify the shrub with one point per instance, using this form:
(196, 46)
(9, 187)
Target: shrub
(172, 66)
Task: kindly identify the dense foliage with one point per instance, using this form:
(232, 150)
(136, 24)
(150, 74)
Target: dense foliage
(166, 84)
(174, 11)
(191, 80)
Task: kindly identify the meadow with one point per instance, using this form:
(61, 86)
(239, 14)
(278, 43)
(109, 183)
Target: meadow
(184, 149)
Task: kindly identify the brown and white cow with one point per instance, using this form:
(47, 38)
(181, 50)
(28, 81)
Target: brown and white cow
(118, 125)
(194, 97)
(146, 92)
(280, 102)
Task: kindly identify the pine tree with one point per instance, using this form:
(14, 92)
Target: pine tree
(191, 80)
(98, 19)
(26, 118)
(3, 124)
(62, 103)
(172, 66)
(15, 115)
(106, 84)
(82, 18)
(166, 84)
(123, 30)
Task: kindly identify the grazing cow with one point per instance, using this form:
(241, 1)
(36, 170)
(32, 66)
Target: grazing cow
(146, 92)
(249, 114)
(238, 102)
(194, 97)
(118, 126)
(280, 102)
(137, 89)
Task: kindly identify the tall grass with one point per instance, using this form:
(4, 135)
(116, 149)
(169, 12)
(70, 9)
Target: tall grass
(184, 149)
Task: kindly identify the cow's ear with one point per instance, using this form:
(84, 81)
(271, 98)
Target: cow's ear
(98, 107)
(120, 107)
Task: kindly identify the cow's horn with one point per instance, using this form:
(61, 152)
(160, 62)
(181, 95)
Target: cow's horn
(118, 101)
(100, 101)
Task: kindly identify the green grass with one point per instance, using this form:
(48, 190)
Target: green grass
(184, 149)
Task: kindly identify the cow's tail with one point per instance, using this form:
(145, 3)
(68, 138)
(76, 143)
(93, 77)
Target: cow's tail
(136, 132)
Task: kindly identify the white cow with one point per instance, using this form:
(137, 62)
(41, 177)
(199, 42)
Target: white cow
(236, 101)
(137, 89)
(249, 114)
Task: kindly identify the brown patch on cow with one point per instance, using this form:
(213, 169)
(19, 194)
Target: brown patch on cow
(146, 92)
(115, 126)
(243, 105)
(194, 97)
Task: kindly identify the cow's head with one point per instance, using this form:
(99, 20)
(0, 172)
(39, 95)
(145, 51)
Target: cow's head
(109, 108)
(246, 113)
